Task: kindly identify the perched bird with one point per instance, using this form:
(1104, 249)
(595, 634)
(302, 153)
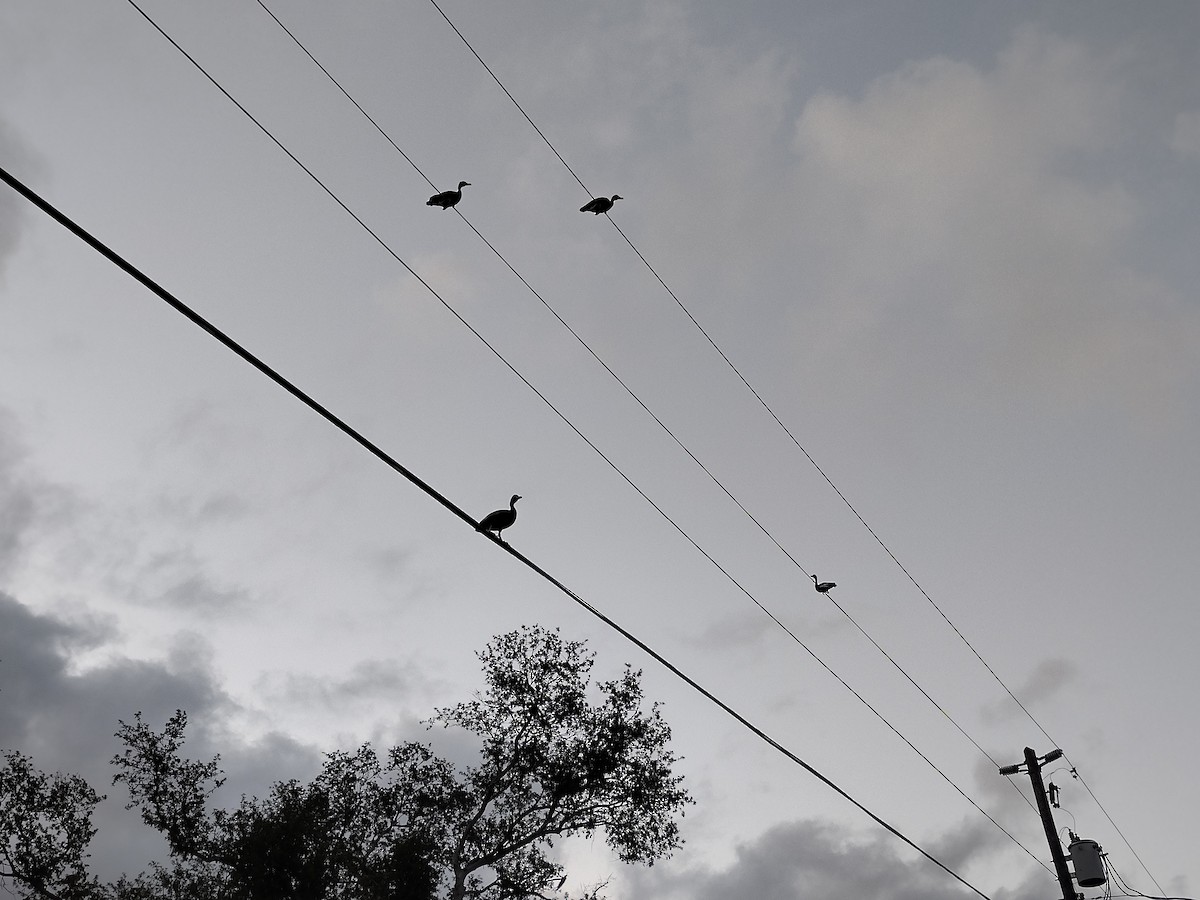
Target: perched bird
(447, 199)
(823, 588)
(500, 519)
(600, 204)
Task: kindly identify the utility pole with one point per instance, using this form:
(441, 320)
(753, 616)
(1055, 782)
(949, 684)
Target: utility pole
(1033, 765)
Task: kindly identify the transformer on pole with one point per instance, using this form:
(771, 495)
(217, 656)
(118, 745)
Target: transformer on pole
(1085, 855)
(1088, 862)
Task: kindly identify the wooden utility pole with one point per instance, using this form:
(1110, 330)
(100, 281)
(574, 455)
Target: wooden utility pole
(1033, 765)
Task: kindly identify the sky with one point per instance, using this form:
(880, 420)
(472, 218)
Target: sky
(951, 245)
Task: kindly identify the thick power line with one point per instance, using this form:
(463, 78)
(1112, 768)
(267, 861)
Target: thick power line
(670, 433)
(376, 451)
(758, 396)
(722, 569)
(725, 572)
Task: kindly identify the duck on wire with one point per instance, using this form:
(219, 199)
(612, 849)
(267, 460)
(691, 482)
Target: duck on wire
(500, 519)
(448, 199)
(823, 587)
(599, 205)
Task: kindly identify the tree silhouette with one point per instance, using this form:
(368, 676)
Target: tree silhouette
(557, 755)
(551, 764)
(45, 828)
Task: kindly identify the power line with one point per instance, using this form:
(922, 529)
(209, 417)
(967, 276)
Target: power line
(728, 575)
(210, 329)
(1132, 892)
(1087, 787)
(520, 108)
(483, 340)
(657, 419)
(329, 75)
(729, 362)
(784, 427)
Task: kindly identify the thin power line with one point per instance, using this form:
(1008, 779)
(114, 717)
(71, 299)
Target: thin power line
(593, 446)
(346, 93)
(783, 426)
(729, 362)
(496, 352)
(329, 75)
(483, 340)
(520, 108)
(198, 320)
(1133, 892)
(728, 575)
(1075, 772)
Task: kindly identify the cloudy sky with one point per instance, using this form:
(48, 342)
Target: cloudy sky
(951, 245)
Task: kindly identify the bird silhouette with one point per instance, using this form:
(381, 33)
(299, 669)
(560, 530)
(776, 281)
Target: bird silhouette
(500, 519)
(823, 588)
(447, 199)
(600, 204)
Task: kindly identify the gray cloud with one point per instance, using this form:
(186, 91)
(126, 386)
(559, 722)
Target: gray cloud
(1047, 678)
(16, 497)
(63, 716)
(202, 510)
(196, 593)
(65, 719)
(19, 160)
(369, 681)
(388, 563)
(819, 859)
(92, 543)
(974, 837)
(747, 629)
(27, 504)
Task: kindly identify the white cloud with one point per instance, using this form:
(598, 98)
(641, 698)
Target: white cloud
(955, 221)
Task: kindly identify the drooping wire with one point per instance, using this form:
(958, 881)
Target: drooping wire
(476, 333)
(1078, 777)
(758, 396)
(623, 384)
(210, 329)
(730, 362)
(561, 415)
(1136, 855)
(1131, 892)
(657, 419)
(582, 436)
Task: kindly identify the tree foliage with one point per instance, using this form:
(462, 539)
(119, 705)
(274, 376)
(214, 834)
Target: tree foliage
(557, 756)
(551, 764)
(45, 828)
(347, 835)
